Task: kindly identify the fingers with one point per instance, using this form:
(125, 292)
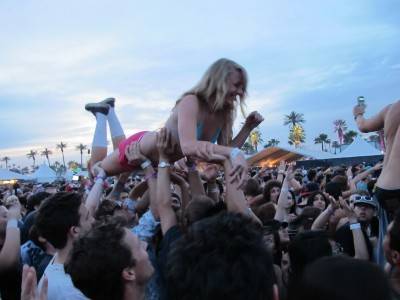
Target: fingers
(43, 291)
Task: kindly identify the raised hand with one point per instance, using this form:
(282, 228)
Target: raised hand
(239, 170)
(29, 290)
(253, 120)
(358, 110)
(133, 154)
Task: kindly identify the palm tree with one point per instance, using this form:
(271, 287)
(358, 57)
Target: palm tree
(81, 147)
(349, 136)
(335, 145)
(62, 146)
(32, 155)
(374, 139)
(296, 132)
(247, 148)
(340, 128)
(255, 138)
(46, 153)
(321, 139)
(272, 143)
(294, 119)
(296, 135)
(328, 142)
(6, 159)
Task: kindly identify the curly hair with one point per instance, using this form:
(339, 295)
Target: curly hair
(97, 260)
(220, 257)
(267, 189)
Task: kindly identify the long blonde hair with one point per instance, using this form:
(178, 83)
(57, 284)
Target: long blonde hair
(212, 90)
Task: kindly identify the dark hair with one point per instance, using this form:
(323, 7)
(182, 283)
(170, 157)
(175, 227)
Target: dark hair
(311, 174)
(310, 200)
(202, 207)
(265, 212)
(342, 278)
(267, 189)
(394, 233)
(56, 215)
(106, 209)
(220, 257)
(97, 260)
(36, 199)
(305, 248)
(252, 188)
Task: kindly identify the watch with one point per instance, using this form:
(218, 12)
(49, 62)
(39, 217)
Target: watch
(164, 164)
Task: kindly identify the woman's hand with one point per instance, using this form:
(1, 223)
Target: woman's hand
(358, 110)
(253, 120)
(133, 154)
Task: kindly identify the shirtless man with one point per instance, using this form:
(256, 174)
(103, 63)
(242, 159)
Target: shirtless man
(387, 190)
(388, 185)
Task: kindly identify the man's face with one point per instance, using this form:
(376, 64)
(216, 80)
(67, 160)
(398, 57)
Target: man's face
(143, 268)
(364, 212)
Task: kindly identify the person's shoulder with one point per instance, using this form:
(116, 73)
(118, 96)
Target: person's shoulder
(189, 99)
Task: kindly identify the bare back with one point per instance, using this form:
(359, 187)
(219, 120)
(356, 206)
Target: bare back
(390, 177)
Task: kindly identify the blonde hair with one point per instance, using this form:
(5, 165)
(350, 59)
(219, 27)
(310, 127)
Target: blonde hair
(212, 90)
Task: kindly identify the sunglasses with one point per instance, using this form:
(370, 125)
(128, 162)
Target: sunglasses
(358, 198)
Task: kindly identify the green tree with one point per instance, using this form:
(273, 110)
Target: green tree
(32, 155)
(335, 145)
(272, 143)
(6, 159)
(296, 135)
(248, 148)
(255, 138)
(81, 147)
(294, 119)
(321, 139)
(349, 136)
(62, 146)
(375, 138)
(47, 153)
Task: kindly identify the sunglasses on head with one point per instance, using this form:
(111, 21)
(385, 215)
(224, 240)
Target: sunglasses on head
(358, 197)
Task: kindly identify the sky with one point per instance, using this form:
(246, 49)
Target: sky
(312, 57)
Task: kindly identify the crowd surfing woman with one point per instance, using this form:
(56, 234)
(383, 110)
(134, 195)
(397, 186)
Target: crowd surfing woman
(203, 116)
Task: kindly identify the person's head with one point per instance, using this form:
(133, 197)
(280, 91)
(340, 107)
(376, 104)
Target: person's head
(391, 243)
(252, 188)
(305, 248)
(221, 85)
(265, 212)
(11, 201)
(306, 218)
(62, 217)
(271, 191)
(106, 260)
(291, 202)
(220, 257)
(318, 199)
(201, 207)
(342, 278)
(311, 174)
(364, 206)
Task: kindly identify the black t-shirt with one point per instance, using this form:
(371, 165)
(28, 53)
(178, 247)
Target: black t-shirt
(344, 237)
(10, 284)
(170, 237)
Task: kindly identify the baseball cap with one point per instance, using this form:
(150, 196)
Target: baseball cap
(357, 199)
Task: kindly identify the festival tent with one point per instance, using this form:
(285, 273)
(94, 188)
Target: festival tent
(359, 147)
(44, 174)
(6, 175)
(273, 155)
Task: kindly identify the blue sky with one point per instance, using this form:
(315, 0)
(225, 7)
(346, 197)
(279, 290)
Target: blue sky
(314, 57)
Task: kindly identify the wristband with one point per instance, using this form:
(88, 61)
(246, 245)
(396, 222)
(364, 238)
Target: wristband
(145, 164)
(235, 152)
(355, 226)
(191, 166)
(12, 223)
(164, 164)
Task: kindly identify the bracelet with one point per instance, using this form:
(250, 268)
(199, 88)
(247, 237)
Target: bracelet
(12, 223)
(164, 164)
(145, 164)
(355, 226)
(235, 152)
(153, 175)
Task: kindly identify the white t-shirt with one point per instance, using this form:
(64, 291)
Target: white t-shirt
(60, 283)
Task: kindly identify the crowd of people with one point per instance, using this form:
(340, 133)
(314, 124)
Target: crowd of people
(178, 214)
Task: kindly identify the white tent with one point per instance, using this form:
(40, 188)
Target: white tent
(9, 175)
(44, 174)
(359, 147)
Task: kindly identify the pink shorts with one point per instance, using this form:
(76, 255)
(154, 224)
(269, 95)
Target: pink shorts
(124, 144)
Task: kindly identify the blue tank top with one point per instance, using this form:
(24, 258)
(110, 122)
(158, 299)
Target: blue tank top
(200, 127)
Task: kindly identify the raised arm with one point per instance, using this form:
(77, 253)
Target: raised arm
(9, 254)
(167, 215)
(252, 121)
(322, 220)
(374, 123)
